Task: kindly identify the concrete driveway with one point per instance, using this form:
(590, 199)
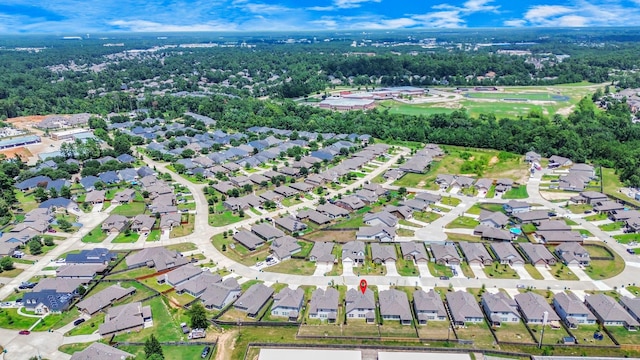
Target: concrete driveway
(347, 268)
(478, 271)
(391, 268)
(522, 272)
(424, 270)
(23, 347)
(580, 273)
(322, 269)
(546, 274)
(458, 271)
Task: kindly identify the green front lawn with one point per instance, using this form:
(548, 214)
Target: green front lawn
(500, 271)
(73, 348)
(597, 217)
(95, 236)
(463, 222)
(612, 226)
(627, 238)
(406, 267)
(88, 327)
(604, 269)
(154, 235)
(438, 270)
(165, 326)
(450, 201)
(579, 208)
(294, 267)
(129, 210)
(426, 216)
(225, 218)
(122, 238)
(519, 192)
(10, 319)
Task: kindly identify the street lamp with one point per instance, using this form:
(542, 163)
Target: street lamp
(545, 317)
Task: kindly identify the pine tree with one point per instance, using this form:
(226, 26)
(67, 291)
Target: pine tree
(152, 347)
(198, 316)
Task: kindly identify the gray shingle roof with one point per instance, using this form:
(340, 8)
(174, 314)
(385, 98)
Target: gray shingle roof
(104, 298)
(428, 302)
(100, 351)
(395, 302)
(463, 306)
(532, 306)
(254, 298)
(322, 300)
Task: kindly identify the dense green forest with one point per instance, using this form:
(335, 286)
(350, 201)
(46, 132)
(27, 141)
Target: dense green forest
(59, 79)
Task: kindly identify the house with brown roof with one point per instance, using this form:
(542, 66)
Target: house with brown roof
(380, 254)
(507, 254)
(493, 219)
(143, 223)
(492, 233)
(428, 306)
(332, 211)
(360, 305)
(414, 251)
(124, 197)
(95, 197)
(533, 308)
(350, 203)
(445, 254)
(475, 253)
(313, 216)
(572, 253)
(128, 317)
(538, 254)
(169, 221)
(104, 299)
(115, 223)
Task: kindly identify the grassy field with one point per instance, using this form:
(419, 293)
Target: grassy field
(294, 267)
(166, 326)
(123, 238)
(519, 192)
(95, 236)
(225, 218)
(513, 332)
(73, 348)
(426, 216)
(627, 238)
(554, 97)
(10, 319)
(470, 161)
(584, 335)
(551, 335)
(182, 247)
(612, 226)
(129, 210)
(88, 327)
(604, 269)
(498, 271)
(463, 222)
(439, 270)
(479, 333)
(611, 184)
(183, 229)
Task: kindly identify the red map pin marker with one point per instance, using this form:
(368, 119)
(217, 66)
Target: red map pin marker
(363, 285)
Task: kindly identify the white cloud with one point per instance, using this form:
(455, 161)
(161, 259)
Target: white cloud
(265, 8)
(325, 23)
(542, 13)
(349, 4)
(515, 23)
(441, 19)
(479, 6)
(324, 8)
(151, 26)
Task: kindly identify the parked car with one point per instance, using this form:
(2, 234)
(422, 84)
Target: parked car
(205, 352)
(444, 278)
(185, 328)
(631, 251)
(78, 322)
(24, 332)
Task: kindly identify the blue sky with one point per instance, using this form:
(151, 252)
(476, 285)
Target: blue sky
(73, 16)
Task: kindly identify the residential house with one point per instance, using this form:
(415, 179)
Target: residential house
(572, 310)
(284, 247)
(286, 191)
(179, 275)
(428, 306)
(533, 308)
(381, 218)
(322, 253)
(248, 239)
(572, 253)
(104, 299)
(270, 195)
(367, 196)
(428, 198)
(324, 305)
(516, 207)
(491, 233)
(483, 185)
(380, 254)
(475, 253)
(445, 254)
(60, 204)
(115, 224)
(500, 308)
(266, 231)
(609, 312)
(533, 216)
(253, 299)
(288, 303)
(463, 308)
(353, 252)
(47, 301)
(124, 197)
(197, 285)
(159, 258)
(95, 197)
(559, 237)
(394, 305)
(493, 219)
(93, 256)
(128, 317)
(143, 223)
(100, 351)
(532, 156)
(219, 295)
(290, 224)
(414, 251)
(79, 271)
(360, 305)
(169, 221)
(558, 161)
(376, 233)
(503, 185)
(313, 216)
(332, 211)
(538, 254)
(351, 203)
(592, 197)
(632, 305)
(507, 254)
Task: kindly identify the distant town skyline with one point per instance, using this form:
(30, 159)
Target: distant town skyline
(66, 17)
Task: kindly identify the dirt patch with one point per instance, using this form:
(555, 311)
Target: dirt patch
(556, 195)
(494, 160)
(566, 111)
(25, 120)
(226, 345)
(23, 153)
(422, 183)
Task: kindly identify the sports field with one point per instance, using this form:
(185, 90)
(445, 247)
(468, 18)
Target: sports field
(510, 102)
